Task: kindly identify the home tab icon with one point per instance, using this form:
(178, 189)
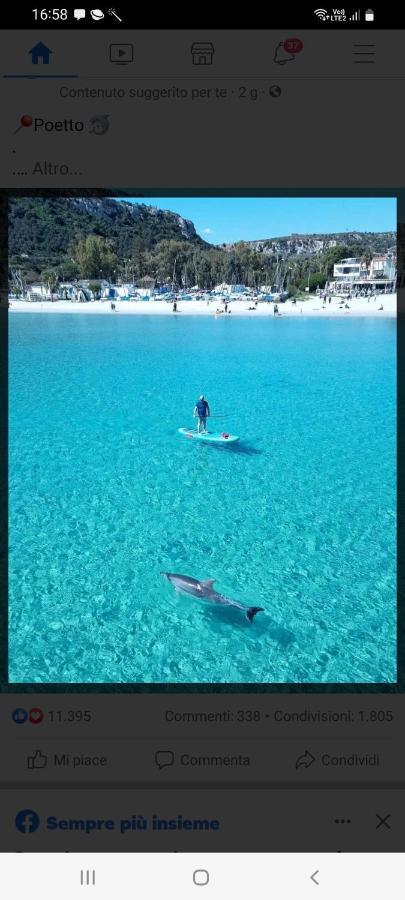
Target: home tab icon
(202, 54)
(40, 53)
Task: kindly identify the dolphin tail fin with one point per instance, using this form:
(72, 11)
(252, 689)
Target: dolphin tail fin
(252, 612)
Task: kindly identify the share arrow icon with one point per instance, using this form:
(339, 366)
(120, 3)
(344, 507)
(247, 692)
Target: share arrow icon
(305, 760)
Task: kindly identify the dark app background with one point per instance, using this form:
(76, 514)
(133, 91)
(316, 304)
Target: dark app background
(321, 123)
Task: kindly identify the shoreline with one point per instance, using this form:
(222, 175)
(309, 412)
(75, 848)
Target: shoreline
(311, 307)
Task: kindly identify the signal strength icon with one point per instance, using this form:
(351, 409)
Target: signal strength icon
(322, 14)
(356, 16)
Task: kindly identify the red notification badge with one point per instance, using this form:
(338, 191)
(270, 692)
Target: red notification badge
(293, 45)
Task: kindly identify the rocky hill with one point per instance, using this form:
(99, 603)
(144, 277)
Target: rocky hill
(316, 244)
(63, 238)
(42, 230)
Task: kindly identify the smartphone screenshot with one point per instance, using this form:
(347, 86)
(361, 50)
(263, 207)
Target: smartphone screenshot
(202, 657)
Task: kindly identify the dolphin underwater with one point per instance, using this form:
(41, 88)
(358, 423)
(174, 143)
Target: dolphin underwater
(184, 584)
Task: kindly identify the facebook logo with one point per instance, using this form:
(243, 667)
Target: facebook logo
(27, 821)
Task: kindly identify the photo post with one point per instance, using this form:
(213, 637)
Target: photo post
(202, 440)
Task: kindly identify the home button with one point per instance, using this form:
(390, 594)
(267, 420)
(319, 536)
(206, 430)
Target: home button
(201, 877)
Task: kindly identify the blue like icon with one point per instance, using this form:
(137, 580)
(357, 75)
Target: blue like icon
(19, 716)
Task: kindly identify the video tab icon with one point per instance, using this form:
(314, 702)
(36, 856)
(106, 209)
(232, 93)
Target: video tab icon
(121, 54)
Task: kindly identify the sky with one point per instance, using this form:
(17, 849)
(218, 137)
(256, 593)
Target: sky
(227, 219)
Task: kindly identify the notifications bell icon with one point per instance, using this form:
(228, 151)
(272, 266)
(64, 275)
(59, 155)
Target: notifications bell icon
(281, 55)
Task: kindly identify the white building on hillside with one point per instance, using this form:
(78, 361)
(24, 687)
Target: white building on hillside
(353, 275)
(382, 267)
(349, 270)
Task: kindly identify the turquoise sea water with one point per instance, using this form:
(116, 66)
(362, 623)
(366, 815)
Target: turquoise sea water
(104, 494)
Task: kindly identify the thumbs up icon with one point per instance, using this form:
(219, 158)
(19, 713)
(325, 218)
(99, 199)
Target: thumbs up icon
(19, 715)
(37, 761)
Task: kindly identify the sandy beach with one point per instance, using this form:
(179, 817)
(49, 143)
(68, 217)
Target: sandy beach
(312, 306)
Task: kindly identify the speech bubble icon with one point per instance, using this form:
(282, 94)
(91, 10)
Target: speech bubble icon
(79, 14)
(164, 758)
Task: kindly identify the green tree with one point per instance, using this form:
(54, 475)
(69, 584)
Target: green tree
(50, 279)
(333, 255)
(95, 288)
(204, 271)
(94, 255)
(366, 258)
(68, 270)
(138, 261)
(17, 282)
(317, 279)
(168, 260)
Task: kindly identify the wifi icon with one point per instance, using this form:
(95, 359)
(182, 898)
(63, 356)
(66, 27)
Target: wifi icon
(322, 14)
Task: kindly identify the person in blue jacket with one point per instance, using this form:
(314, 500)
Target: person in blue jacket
(201, 411)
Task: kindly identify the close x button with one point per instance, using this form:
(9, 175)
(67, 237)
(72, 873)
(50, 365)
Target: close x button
(383, 821)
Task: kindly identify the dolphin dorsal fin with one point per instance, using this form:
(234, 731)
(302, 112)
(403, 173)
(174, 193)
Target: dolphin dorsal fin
(208, 582)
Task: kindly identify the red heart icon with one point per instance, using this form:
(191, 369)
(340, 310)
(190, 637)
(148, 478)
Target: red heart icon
(36, 715)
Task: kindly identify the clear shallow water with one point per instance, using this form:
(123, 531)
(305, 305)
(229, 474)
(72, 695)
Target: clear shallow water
(299, 518)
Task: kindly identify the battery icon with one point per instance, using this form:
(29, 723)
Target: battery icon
(369, 15)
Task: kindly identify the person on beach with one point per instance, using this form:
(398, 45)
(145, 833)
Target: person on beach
(202, 410)
(275, 310)
(175, 306)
